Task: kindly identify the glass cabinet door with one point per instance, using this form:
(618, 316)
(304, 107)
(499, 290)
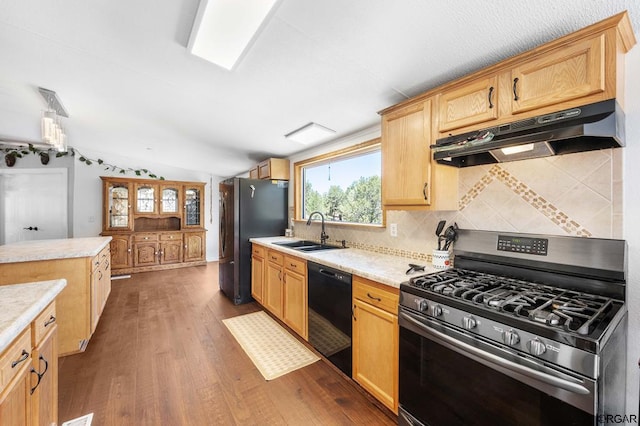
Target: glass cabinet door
(193, 207)
(146, 198)
(169, 200)
(119, 205)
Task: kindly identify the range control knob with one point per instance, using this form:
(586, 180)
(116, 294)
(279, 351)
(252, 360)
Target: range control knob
(510, 337)
(536, 347)
(469, 323)
(436, 310)
(421, 305)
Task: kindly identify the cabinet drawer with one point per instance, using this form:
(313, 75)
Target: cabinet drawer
(174, 236)
(295, 264)
(257, 250)
(101, 258)
(276, 257)
(43, 323)
(376, 294)
(145, 237)
(16, 356)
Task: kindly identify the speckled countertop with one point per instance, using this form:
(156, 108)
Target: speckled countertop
(383, 268)
(28, 251)
(22, 303)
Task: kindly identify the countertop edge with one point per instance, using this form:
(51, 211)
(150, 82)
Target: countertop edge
(51, 252)
(392, 279)
(51, 289)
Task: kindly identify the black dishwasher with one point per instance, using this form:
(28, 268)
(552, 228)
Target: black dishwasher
(330, 314)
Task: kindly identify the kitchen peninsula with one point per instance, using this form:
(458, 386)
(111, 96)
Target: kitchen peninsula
(84, 263)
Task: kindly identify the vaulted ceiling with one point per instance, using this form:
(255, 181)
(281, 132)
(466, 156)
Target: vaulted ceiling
(122, 70)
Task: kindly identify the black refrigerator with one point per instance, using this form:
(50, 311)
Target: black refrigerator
(248, 208)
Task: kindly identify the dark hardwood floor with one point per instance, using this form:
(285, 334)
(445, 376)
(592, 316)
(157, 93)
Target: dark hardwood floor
(162, 356)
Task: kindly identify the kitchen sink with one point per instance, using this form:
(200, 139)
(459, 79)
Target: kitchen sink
(317, 247)
(306, 245)
(296, 244)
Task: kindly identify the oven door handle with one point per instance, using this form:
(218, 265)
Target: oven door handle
(465, 348)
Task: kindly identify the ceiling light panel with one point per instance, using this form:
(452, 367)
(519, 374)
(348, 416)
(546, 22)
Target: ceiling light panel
(224, 29)
(310, 133)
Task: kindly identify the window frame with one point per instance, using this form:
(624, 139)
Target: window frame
(351, 151)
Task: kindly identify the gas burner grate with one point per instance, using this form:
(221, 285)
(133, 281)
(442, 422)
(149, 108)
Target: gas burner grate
(552, 306)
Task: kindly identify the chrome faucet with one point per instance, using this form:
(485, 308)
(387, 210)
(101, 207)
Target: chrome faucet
(323, 235)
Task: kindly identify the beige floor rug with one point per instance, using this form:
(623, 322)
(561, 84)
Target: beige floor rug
(272, 349)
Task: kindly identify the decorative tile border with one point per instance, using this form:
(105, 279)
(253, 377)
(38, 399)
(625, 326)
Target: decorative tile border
(527, 194)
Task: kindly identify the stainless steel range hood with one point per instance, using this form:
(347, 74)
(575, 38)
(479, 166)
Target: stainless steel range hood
(586, 128)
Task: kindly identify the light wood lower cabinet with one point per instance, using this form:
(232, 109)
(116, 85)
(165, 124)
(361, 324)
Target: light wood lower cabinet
(283, 280)
(29, 375)
(257, 272)
(375, 340)
(295, 306)
(80, 303)
(273, 290)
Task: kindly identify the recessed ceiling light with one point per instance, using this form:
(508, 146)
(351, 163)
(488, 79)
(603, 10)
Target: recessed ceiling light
(310, 133)
(223, 29)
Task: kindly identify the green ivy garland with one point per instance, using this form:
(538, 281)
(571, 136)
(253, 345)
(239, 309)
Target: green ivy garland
(11, 154)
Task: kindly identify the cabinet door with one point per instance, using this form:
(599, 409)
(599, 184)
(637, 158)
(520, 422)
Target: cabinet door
(145, 254)
(44, 399)
(146, 201)
(572, 72)
(193, 212)
(194, 245)
(117, 206)
(273, 289)
(170, 252)
(95, 291)
(295, 302)
(471, 103)
(120, 251)
(169, 200)
(15, 406)
(257, 278)
(406, 166)
(375, 352)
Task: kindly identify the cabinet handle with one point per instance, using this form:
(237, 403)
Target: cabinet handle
(50, 321)
(490, 97)
(373, 297)
(293, 265)
(100, 278)
(40, 375)
(128, 250)
(424, 190)
(353, 313)
(515, 89)
(23, 357)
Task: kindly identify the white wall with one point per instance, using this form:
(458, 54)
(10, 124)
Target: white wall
(632, 223)
(87, 194)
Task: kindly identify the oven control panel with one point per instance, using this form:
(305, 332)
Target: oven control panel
(524, 245)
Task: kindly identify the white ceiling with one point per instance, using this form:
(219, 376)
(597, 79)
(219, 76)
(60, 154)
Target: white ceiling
(122, 70)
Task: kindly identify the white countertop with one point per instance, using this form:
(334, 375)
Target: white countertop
(383, 268)
(22, 303)
(28, 251)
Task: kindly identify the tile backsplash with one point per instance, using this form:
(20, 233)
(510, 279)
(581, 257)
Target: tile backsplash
(575, 194)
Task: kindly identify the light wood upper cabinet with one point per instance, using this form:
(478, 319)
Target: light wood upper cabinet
(406, 173)
(117, 205)
(470, 103)
(169, 201)
(575, 71)
(193, 206)
(146, 198)
(410, 179)
(273, 168)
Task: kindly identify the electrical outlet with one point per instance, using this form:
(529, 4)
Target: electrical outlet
(393, 229)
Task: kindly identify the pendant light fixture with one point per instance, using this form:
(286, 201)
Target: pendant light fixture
(51, 125)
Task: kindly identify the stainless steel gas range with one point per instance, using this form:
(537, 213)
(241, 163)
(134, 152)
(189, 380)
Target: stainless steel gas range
(525, 330)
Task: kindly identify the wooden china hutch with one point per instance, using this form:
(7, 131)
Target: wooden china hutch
(154, 224)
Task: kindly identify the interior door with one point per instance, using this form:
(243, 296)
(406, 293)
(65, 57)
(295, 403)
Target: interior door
(33, 205)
